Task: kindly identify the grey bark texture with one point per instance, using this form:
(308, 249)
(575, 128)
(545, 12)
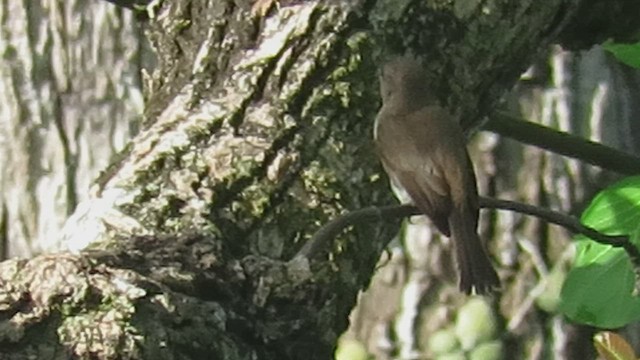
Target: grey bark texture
(70, 100)
(257, 130)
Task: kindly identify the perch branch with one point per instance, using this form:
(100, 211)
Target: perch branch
(123, 3)
(563, 143)
(330, 230)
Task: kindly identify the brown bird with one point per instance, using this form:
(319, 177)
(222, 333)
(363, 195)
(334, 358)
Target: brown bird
(423, 150)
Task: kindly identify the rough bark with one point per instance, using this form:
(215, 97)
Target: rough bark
(70, 99)
(256, 131)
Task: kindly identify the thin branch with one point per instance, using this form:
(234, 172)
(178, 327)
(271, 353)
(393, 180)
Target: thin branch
(330, 230)
(568, 222)
(563, 143)
(136, 5)
(123, 3)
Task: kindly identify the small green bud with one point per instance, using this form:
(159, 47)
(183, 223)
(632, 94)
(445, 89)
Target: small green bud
(475, 323)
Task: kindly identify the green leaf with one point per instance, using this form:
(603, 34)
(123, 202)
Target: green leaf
(626, 53)
(599, 288)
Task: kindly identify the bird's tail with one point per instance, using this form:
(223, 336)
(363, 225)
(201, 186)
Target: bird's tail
(474, 266)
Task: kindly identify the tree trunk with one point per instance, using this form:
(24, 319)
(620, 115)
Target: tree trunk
(70, 100)
(257, 130)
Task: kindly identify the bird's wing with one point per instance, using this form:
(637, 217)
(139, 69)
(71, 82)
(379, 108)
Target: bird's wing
(411, 165)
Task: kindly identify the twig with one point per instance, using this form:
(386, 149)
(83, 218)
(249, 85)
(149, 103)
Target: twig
(568, 222)
(123, 3)
(330, 230)
(138, 6)
(563, 143)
